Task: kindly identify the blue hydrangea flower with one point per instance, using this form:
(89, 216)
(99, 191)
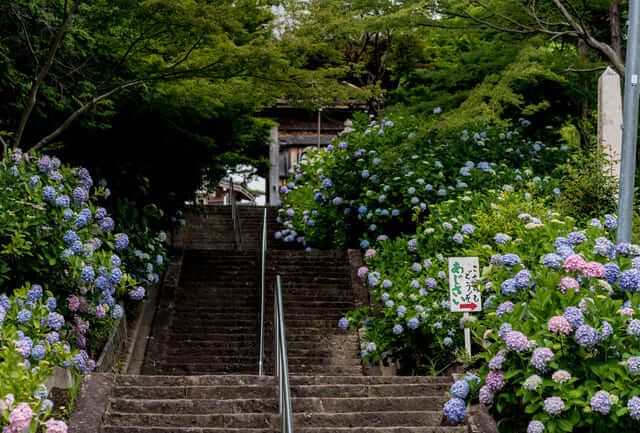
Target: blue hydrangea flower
(88, 274)
(24, 316)
(552, 260)
(107, 224)
(610, 221)
(604, 247)
(510, 259)
(611, 272)
(508, 287)
(117, 312)
(413, 323)
(38, 352)
(121, 241)
(502, 238)
(457, 238)
(398, 329)
(63, 201)
(49, 193)
(447, 341)
(455, 410)
(574, 316)
(343, 323)
(55, 321)
(116, 276)
(553, 405)
(5, 302)
(51, 303)
(460, 389)
(35, 293)
(630, 280)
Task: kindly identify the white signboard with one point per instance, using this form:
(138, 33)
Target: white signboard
(464, 296)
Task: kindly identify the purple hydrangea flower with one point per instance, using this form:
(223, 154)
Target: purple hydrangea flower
(505, 307)
(486, 396)
(634, 328)
(553, 405)
(38, 352)
(495, 381)
(535, 426)
(633, 364)
(117, 312)
(498, 360)
(633, 405)
(467, 229)
(586, 336)
(540, 357)
(601, 402)
(516, 341)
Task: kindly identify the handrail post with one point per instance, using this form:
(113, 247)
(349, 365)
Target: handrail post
(263, 263)
(283, 363)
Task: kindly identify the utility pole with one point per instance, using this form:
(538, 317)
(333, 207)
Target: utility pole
(630, 125)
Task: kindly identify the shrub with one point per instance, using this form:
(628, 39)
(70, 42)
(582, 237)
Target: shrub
(378, 179)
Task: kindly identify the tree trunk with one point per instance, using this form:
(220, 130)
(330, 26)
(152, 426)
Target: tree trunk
(583, 49)
(615, 27)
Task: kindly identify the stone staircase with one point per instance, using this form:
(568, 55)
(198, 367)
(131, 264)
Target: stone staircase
(248, 404)
(201, 364)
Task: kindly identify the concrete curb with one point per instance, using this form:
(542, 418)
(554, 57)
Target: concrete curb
(91, 404)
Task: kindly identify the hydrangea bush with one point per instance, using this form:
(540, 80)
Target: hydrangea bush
(54, 230)
(376, 180)
(409, 318)
(565, 348)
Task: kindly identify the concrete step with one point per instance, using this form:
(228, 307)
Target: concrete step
(404, 429)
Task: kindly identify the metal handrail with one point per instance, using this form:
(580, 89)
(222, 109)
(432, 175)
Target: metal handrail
(282, 363)
(235, 215)
(263, 270)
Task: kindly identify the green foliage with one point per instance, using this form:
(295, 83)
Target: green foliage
(379, 180)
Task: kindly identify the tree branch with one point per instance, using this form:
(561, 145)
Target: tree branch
(72, 118)
(42, 74)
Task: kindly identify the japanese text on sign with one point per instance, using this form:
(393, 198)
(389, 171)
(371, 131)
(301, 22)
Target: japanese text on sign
(464, 295)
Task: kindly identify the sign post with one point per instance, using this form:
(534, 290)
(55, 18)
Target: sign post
(464, 296)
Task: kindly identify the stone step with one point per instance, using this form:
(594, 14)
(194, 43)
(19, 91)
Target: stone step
(154, 380)
(195, 368)
(404, 429)
(262, 420)
(308, 404)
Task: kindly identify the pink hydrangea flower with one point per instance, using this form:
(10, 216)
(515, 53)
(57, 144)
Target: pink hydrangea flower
(568, 283)
(574, 263)
(593, 269)
(19, 418)
(369, 253)
(73, 303)
(626, 311)
(55, 426)
(559, 325)
(362, 272)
